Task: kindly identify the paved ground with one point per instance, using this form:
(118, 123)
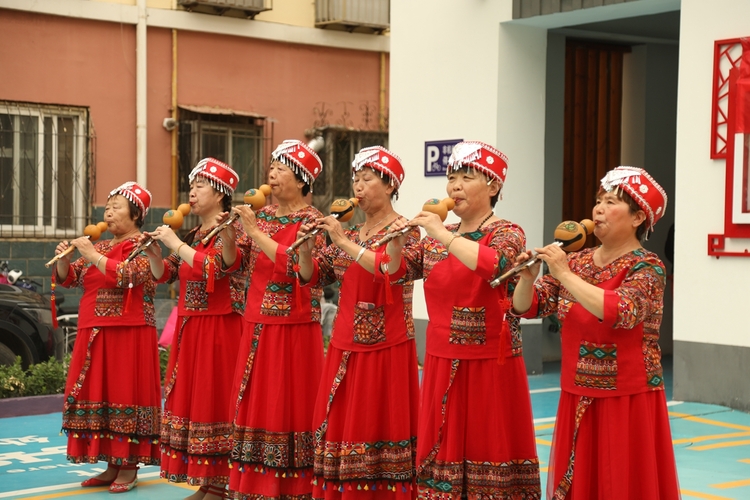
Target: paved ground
(712, 445)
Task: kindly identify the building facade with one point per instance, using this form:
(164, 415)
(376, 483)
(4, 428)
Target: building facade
(99, 92)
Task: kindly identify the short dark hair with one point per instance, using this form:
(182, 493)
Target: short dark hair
(135, 214)
(306, 187)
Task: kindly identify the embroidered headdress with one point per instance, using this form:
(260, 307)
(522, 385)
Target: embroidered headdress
(301, 158)
(219, 175)
(646, 192)
(479, 156)
(380, 159)
(139, 196)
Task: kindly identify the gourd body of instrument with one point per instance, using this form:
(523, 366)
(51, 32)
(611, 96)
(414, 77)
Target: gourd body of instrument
(256, 198)
(569, 235)
(171, 218)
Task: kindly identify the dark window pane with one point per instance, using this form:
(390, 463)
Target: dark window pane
(28, 186)
(65, 174)
(6, 169)
(47, 174)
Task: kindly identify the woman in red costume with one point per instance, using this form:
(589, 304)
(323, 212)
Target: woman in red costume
(281, 354)
(197, 422)
(612, 437)
(476, 433)
(112, 397)
(365, 417)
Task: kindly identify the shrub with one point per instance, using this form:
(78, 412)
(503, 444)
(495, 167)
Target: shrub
(47, 377)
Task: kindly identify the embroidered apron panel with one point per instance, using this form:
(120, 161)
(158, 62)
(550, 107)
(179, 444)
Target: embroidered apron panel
(277, 300)
(468, 326)
(597, 366)
(196, 297)
(109, 302)
(369, 323)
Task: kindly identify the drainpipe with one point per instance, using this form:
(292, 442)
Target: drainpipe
(175, 173)
(382, 92)
(140, 95)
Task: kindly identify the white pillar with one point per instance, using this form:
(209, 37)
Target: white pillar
(140, 94)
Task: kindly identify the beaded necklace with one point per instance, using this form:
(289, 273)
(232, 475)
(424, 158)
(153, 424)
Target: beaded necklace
(480, 224)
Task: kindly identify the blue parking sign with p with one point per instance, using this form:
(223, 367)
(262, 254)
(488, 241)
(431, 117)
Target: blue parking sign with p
(436, 154)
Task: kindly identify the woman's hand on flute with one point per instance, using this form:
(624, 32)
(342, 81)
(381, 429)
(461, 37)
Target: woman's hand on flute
(228, 235)
(528, 273)
(307, 246)
(166, 236)
(397, 227)
(86, 248)
(556, 259)
(331, 225)
(431, 223)
(247, 217)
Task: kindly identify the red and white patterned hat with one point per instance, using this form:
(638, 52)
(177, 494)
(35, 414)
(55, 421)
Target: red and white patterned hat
(380, 159)
(219, 175)
(646, 192)
(479, 156)
(300, 157)
(138, 195)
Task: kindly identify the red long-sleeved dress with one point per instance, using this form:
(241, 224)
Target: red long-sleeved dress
(476, 433)
(197, 422)
(612, 438)
(365, 418)
(112, 404)
(278, 369)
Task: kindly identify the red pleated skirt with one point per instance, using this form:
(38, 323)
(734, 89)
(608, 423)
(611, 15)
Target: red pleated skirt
(197, 422)
(623, 449)
(476, 431)
(366, 424)
(112, 404)
(275, 383)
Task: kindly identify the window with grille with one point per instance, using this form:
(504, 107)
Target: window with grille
(236, 139)
(340, 146)
(44, 170)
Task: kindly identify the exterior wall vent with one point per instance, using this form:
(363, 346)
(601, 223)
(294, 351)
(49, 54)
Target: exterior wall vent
(229, 8)
(362, 16)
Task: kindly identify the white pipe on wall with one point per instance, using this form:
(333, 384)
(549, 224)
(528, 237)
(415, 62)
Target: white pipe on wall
(141, 172)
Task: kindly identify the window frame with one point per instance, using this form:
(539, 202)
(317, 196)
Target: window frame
(80, 170)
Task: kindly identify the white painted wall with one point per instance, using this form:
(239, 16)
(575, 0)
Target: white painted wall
(711, 295)
(458, 73)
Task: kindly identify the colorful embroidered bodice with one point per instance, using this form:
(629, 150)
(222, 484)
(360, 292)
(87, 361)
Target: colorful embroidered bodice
(122, 297)
(619, 355)
(466, 313)
(364, 320)
(196, 299)
(274, 295)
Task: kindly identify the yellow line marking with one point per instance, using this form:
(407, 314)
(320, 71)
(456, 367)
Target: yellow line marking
(732, 484)
(721, 445)
(549, 426)
(543, 441)
(87, 491)
(744, 460)
(697, 439)
(697, 494)
(687, 416)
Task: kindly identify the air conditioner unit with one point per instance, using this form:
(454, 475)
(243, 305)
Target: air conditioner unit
(351, 15)
(247, 8)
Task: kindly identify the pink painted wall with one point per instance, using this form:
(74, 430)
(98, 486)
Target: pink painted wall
(88, 63)
(56, 60)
